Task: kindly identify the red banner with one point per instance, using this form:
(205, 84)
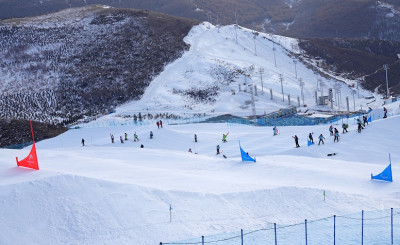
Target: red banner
(31, 160)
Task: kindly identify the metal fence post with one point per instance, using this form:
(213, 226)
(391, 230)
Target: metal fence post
(202, 240)
(391, 223)
(276, 242)
(334, 229)
(241, 235)
(305, 223)
(362, 227)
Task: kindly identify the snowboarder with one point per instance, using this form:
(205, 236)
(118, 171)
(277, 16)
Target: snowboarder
(336, 139)
(190, 150)
(331, 130)
(135, 137)
(158, 124)
(365, 119)
(195, 138)
(385, 111)
(224, 137)
(359, 127)
(151, 134)
(120, 138)
(218, 149)
(311, 138)
(345, 126)
(296, 140)
(275, 131)
(321, 139)
(112, 138)
(83, 142)
(126, 136)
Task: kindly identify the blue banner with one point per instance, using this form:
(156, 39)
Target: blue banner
(245, 156)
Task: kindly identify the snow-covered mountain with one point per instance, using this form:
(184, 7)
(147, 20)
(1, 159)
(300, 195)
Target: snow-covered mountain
(229, 67)
(60, 67)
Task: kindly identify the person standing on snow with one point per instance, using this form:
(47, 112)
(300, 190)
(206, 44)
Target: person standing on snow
(195, 138)
(120, 138)
(359, 127)
(296, 140)
(336, 139)
(135, 137)
(151, 134)
(344, 127)
(311, 138)
(275, 130)
(158, 124)
(218, 150)
(83, 142)
(321, 139)
(112, 138)
(126, 136)
(331, 130)
(365, 119)
(385, 111)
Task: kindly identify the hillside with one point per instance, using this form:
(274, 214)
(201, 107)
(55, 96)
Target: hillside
(57, 68)
(358, 59)
(296, 18)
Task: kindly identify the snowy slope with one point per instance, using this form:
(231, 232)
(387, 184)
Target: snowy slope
(107, 193)
(216, 64)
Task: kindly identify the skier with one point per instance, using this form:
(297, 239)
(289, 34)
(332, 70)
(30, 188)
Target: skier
(336, 136)
(126, 136)
(296, 140)
(195, 138)
(311, 138)
(83, 142)
(321, 139)
(331, 130)
(345, 126)
(135, 137)
(385, 111)
(217, 149)
(275, 131)
(112, 138)
(120, 138)
(151, 134)
(190, 150)
(158, 124)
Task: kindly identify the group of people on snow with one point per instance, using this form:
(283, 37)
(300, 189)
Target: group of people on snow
(332, 131)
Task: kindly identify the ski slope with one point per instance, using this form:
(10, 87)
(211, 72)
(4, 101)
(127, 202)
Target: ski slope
(221, 59)
(107, 193)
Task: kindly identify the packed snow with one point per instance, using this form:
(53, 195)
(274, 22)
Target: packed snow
(107, 193)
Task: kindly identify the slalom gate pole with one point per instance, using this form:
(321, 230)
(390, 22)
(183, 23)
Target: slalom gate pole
(202, 240)
(241, 235)
(334, 229)
(305, 223)
(362, 227)
(276, 242)
(391, 223)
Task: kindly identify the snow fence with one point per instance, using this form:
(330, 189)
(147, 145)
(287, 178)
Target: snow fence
(371, 227)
